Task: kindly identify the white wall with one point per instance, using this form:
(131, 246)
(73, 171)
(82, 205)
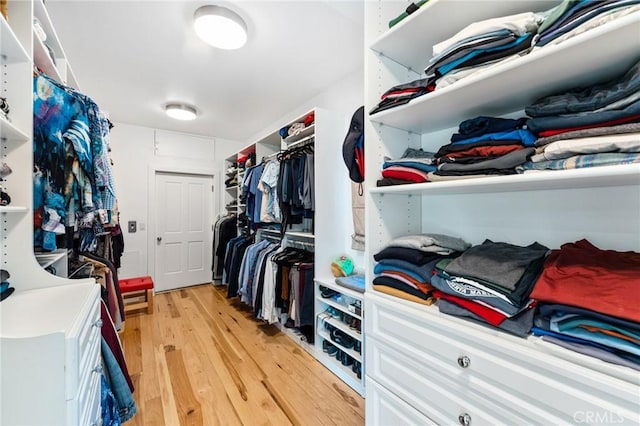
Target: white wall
(341, 98)
(137, 153)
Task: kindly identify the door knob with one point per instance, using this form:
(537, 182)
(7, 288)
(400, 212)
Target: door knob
(159, 239)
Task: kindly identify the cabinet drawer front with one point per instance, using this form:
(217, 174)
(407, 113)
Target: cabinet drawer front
(80, 347)
(429, 388)
(511, 366)
(91, 406)
(384, 408)
(89, 381)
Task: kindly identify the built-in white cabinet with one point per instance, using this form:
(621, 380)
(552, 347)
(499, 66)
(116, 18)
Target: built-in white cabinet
(50, 356)
(424, 367)
(49, 327)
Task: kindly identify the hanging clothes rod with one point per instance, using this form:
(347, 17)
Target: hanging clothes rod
(270, 156)
(300, 243)
(301, 142)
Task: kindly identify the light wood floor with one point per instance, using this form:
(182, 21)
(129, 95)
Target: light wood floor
(202, 359)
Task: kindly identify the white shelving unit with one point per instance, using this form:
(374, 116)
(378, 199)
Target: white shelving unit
(325, 319)
(49, 327)
(412, 350)
(327, 241)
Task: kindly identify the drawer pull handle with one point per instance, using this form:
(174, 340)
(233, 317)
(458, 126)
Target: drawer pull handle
(98, 369)
(464, 361)
(98, 323)
(464, 419)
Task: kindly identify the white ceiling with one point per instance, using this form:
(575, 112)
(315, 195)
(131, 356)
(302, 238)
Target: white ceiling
(132, 57)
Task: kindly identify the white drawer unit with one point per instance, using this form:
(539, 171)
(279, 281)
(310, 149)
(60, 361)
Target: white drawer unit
(50, 351)
(472, 372)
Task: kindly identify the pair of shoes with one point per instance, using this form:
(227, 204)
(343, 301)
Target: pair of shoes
(345, 359)
(354, 323)
(357, 346)
(327, 293)
(5, 199)
(342, 338)
(357, 368)
(329, 348)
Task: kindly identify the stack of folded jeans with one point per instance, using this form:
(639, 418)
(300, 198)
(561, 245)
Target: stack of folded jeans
(587, 127)
(491, 283)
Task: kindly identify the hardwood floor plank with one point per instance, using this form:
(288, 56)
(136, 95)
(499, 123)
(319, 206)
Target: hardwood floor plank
(189, 410)
(203, 359)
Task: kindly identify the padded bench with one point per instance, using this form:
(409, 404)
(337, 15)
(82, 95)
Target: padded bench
(133, 289)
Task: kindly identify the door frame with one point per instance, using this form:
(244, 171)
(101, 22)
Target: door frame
(154, 169)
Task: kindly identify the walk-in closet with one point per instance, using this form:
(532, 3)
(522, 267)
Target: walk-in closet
(324, 212)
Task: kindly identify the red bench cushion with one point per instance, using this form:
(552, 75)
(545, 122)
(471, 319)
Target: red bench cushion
(135, 284)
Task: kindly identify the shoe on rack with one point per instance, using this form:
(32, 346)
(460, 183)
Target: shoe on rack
(5, 199)
(357, 368)
(346, 359)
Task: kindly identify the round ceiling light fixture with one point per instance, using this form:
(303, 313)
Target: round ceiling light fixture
(220, 27)
(180, 111)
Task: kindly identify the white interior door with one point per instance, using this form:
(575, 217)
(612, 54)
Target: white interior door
(184, 230)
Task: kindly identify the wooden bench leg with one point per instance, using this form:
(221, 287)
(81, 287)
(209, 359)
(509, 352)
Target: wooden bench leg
(150, 301)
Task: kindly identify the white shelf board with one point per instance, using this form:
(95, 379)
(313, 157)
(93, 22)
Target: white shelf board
(9, 132)
(231, 188)
(46, 259)
(345, 373)
(603, 176)
(340, 325)
(337, 287)
(43, 61)
(339, 306)
(304, 134)
(595, 56)
(411, 41)
(12, 51)
(353, 354)
(13, 209)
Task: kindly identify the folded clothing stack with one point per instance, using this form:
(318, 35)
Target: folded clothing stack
(573, 17)
(491, 283)
(587, 127)
(589, 301)
(405, 266)
(485, 146)
(412, 167)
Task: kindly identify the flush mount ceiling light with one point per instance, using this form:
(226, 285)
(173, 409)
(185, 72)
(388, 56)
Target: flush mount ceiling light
(220, 27)
(180, 111)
